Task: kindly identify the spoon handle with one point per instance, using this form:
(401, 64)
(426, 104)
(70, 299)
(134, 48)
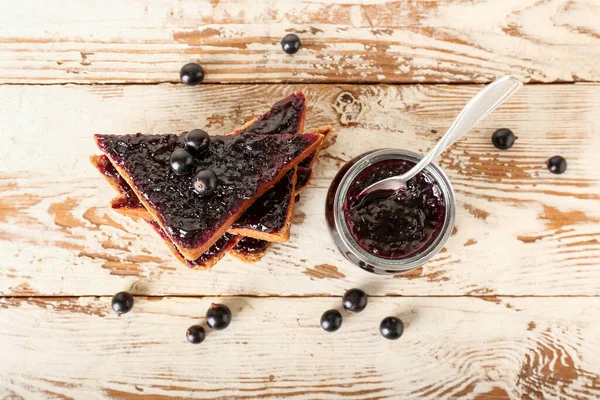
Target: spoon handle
(486, 101)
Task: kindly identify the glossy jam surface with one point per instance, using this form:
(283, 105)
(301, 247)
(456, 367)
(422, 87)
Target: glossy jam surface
(269, 212)
(394, 225)
(250, 245)
(284, 117)
(242, 163)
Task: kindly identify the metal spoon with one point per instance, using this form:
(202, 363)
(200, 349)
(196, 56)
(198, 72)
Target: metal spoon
(484, 102)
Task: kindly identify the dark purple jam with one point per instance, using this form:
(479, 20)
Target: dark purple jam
(269, 212)
(394, 225)
(250, 246)
(302, 177)
(286, 116)
(242, 163)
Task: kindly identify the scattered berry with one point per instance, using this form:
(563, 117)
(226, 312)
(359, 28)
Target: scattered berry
(391, 328)
(195, 334)
(191, 74)
(205, 182)
(218, 316)
(355, 300)
(503, 138)
(557, 164)
(182, 161)
(122, 302)
(291, 43)
(331, 320)
(197, 141)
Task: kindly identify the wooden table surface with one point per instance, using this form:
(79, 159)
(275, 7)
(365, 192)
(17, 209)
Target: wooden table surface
(509, 309)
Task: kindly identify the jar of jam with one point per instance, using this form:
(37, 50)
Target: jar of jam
(389, 232)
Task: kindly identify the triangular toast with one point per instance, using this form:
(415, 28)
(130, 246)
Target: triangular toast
(285, 116)
(246, 165)
(270, 217)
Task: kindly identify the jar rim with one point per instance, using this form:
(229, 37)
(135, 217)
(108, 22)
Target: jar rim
(384, 265)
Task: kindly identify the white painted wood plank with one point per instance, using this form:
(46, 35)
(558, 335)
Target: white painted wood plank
(520, 229)
(274, 348)
(356, 40)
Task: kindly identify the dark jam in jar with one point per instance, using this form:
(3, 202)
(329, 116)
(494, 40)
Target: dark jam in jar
(394, 225)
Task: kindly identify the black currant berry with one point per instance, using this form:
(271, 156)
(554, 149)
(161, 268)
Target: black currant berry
(182, 161)
(205, 182)
(197, 141)
(291, 43)
(331, 320)
(218, 316)
(503, 138)
(195, 334)
(355, 300)
(122, 302)
(191, 74)
(391, 328)
(557, 164)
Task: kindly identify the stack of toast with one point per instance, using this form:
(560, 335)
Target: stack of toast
(261, 169)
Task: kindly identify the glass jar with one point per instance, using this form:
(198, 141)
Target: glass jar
(334, 212)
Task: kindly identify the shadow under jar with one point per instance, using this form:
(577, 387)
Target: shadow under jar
(389, 232)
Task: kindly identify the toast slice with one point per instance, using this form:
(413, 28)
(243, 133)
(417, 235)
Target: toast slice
(285, 116)
(246, 166)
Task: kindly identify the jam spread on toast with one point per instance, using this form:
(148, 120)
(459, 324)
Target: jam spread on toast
(270, 211)
(242, 163)
(248, 246)
(284, 117)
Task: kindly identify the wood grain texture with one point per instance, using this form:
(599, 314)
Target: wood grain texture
(520, 230)
(274, 348)
(344, 41)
